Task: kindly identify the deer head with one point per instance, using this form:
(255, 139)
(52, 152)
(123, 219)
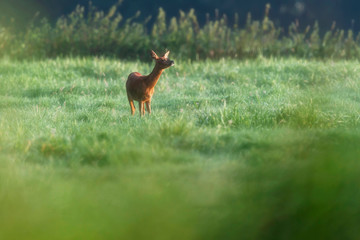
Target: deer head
(163, 62)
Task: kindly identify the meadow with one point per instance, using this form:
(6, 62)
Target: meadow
(252, 149)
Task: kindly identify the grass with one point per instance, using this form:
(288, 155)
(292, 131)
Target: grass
(260, 149)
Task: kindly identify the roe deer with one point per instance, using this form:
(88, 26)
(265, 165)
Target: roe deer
(141, 88)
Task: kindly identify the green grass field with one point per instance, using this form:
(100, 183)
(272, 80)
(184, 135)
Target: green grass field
(261, 149)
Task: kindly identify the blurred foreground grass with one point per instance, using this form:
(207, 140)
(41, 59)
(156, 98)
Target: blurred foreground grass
(263, 149)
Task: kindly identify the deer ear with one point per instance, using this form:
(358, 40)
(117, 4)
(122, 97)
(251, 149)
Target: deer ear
(166, 54)
(153, 55)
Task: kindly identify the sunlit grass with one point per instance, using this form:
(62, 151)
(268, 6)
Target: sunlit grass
(263, 149)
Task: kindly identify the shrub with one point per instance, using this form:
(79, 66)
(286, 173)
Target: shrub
(90, 32)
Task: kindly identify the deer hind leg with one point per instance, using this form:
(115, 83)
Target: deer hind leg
(141, 108)
(131, 102)
(148, 107)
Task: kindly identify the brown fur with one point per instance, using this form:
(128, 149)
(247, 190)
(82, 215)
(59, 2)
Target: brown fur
(141, 87)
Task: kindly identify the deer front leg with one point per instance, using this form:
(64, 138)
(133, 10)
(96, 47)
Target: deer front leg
(148, 107)
(141, 108)
(131, 102)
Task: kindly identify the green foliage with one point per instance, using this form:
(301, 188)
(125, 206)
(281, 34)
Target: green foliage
(90, 32)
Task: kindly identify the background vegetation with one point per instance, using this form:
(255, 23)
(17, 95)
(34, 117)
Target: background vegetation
(93, 32)
(344, 12)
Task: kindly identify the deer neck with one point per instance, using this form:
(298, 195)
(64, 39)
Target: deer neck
(154, 76)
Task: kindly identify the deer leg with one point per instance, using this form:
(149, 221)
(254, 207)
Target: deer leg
(141, 108)
(148, 107)
(131, 102)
